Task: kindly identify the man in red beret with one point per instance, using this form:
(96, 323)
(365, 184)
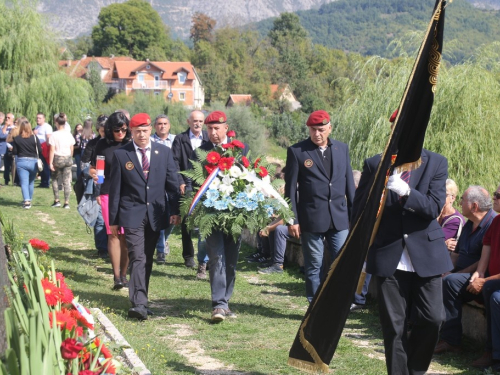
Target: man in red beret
(221, 248)
(143, 173)
(318, 172)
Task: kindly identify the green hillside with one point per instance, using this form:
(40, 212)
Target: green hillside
(369, 26)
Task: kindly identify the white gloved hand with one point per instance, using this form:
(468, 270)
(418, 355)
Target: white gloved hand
(397, 185)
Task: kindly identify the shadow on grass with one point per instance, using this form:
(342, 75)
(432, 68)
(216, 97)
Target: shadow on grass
(182, 367)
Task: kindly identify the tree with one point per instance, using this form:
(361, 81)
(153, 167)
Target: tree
(132, 28)
(80, 46)
(98, 86)
(30, 78)
(288, 26)
(202, 27)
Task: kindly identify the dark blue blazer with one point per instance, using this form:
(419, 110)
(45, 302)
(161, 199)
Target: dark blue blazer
(410, 221)
(131, 196)
(318, 201)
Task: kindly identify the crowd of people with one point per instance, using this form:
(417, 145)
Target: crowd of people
(427, 258)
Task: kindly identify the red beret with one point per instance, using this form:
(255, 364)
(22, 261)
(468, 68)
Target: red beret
(216, 117)
(393, 116)
(140, 119)
(318, 118)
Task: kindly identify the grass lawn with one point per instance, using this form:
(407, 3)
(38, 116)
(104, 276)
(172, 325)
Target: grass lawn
(179, 339)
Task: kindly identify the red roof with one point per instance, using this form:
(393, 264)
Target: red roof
(241, 98)
(78, 68)
(127, 69)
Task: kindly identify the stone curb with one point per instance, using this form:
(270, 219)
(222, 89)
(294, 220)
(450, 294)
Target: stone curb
(128, 352)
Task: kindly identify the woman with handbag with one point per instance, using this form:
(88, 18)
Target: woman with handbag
(26, 147)
(61, 160)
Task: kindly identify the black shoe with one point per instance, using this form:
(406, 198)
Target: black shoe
(275, 268)
(102, 254)
(124, 281)
(118, 284)
(260, 260)
(255, 255)
(189, 263)
(56, 204)
(266, 264)
(355, 307)
(138, 312)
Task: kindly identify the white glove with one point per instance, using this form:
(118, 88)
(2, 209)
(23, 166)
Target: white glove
(397, 185)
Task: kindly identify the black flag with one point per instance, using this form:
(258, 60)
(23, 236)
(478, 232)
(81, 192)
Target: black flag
(322, 326)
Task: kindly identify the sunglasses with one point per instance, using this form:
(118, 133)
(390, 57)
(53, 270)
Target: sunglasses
(121, 130)
(496, 195)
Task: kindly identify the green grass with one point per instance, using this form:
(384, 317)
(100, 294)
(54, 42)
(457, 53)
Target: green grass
(269, 307)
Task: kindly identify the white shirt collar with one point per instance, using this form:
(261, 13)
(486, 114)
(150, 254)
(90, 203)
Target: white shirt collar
(137, 147)
(192, 136)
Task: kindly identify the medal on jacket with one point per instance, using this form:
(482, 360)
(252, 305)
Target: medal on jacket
(308, 163)
(129, 165)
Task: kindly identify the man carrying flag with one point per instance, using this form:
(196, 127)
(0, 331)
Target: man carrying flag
(407, 258)
(406, 249)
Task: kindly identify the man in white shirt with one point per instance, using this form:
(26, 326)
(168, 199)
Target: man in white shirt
(164, 137)
(43, 131)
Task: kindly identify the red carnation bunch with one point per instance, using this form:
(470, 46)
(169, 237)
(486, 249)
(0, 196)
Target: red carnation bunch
(227, 146)
(70, 348)
(231, 133)
(226, 163)
(39, 245)
(238, 144)
(213, 157)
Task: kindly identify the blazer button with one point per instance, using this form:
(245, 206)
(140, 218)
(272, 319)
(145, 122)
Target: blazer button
(404, 236)
(147, 187)
(148, 205)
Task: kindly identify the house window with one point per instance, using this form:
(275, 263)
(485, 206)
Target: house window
(182, 96)
(140, 78)
(182, 77)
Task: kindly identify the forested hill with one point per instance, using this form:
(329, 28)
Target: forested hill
(368, 26)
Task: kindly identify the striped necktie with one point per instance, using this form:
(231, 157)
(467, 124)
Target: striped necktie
(145, 163)
(405, 176)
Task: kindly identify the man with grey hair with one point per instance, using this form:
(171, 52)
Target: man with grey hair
(163, 136)
(477, 208)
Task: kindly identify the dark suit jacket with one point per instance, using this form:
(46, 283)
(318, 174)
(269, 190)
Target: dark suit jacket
(410, 221)
(183, 150)
(131, 196)
(318, 201)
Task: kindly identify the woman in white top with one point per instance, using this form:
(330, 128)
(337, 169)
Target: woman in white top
(61, 160)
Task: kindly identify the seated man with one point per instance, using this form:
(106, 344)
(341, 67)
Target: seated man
(476, 207)
(278, 234)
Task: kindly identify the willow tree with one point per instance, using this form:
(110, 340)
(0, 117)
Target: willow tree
(30, 78)
(463, 124)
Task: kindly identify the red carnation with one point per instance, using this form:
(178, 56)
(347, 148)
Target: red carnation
(263, 172)
(245, 161)
(231, 133)
(51, 292)
(88, 372)
(70, 348)
(209, 168)
(213, 157)
(257, 161)
(59, 276)
(238, 144)
(226, 146)
(39, 245)
(225, 163)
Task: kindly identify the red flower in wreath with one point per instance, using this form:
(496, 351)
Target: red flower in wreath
(256, 164)
(231, 133)
(209, 168)
(238, 144)
(80, 319)
(245, 161)
(227, 146)
(263, 172)
(213, 157)
(39, 245)
(225, 163)
(52, 295)
(70, 348)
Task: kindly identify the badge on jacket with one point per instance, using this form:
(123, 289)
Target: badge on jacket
(129, 165)
(308, 163)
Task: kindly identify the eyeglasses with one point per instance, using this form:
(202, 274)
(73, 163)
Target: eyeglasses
(121, 130)
(496, 195)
